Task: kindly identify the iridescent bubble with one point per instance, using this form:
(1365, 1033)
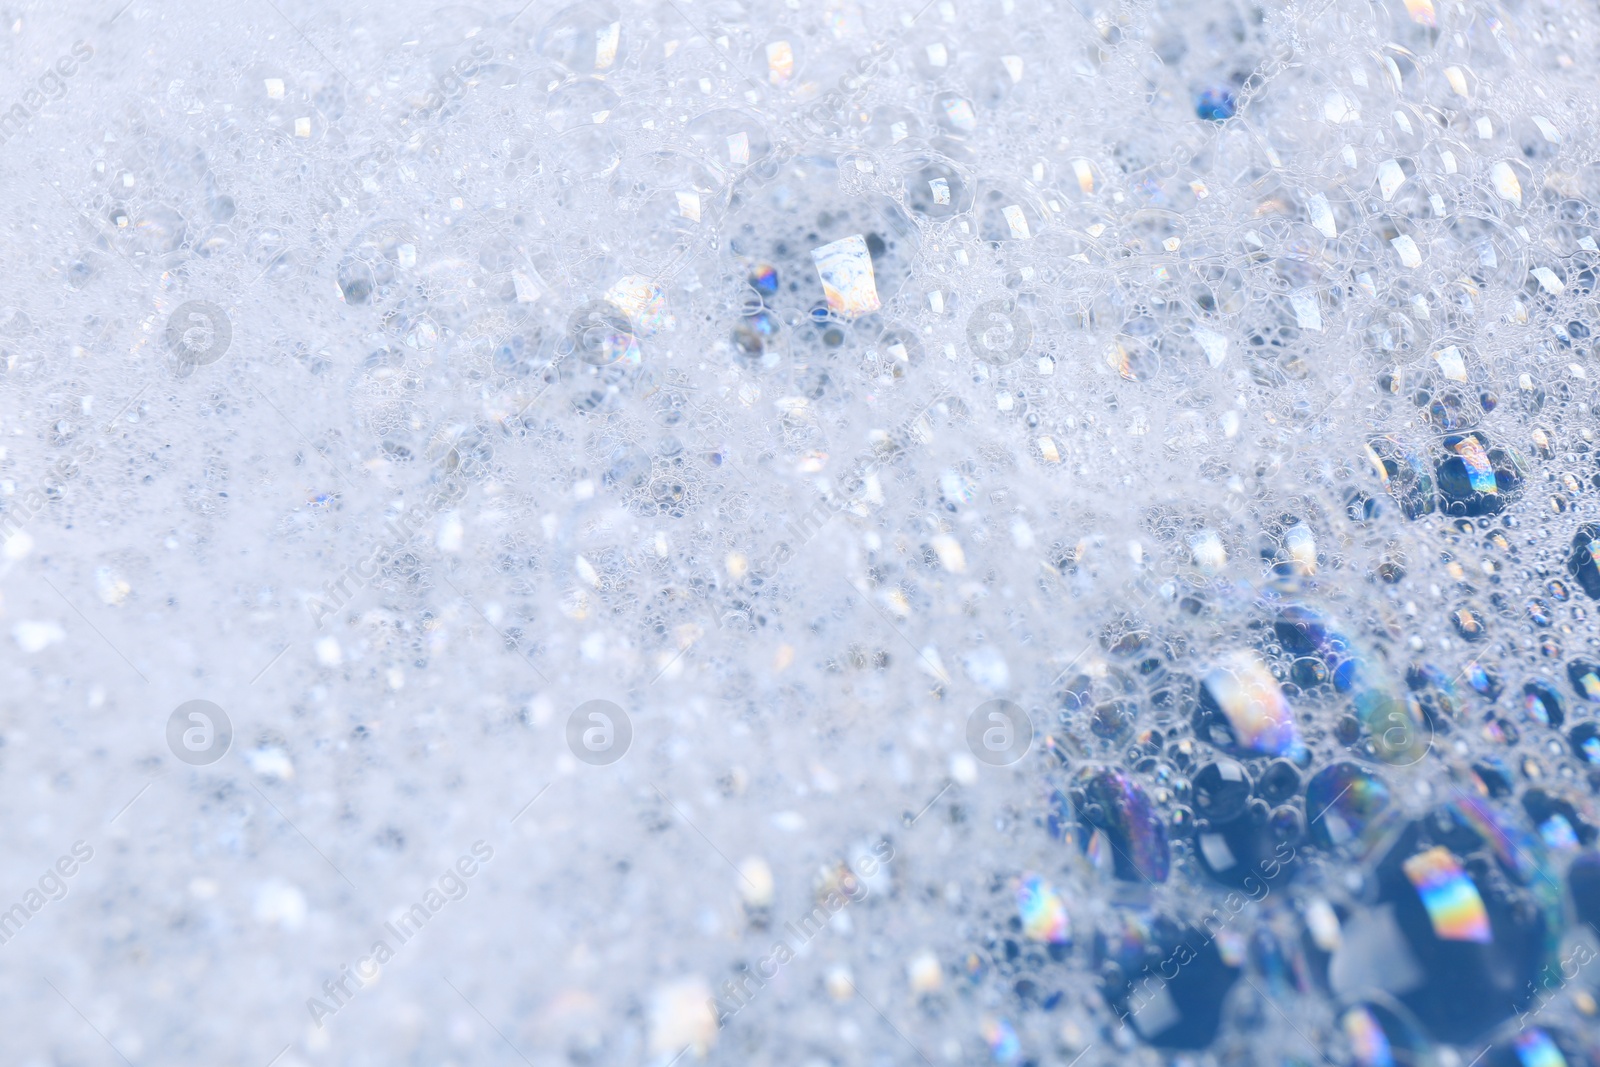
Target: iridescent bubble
(601, 334)
(1585, 679)
(1345, 805)
(1398, 731)
(763, 279)
(1444, 935)
(1541, 704)
(1477, 479)
(1043, 914)
(755, 341)
(1469, 623)
(644, 302)
(1451, 899)
(1405, 475)
(845, 267)
(1484, 680)
(1517, 852)
(1560, 826)
(1001, 1038)
(1243, 711)
(1304, 632)
(1533, 1046)
(1379, 1035)
(1585, 741)
(1449, 411)
(1117, 805)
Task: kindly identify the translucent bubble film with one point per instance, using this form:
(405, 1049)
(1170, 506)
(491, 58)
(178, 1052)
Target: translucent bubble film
(816, 533)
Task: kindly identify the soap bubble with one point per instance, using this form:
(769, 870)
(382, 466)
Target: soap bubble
(1210, 394)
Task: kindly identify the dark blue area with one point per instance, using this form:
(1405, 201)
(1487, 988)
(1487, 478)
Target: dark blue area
(1216, 105)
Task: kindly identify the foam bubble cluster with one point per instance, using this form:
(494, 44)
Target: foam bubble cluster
(951, 532)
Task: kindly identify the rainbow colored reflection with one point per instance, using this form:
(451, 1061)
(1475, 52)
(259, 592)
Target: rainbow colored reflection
(1395, 724)
(1481, 679)
(764, 278)
(1480, 472)
(1512, 847)
(1044, 916)
(1256, 709)
(1535, 1049)
(1368, 1043)
(1541, 704)
(1344, 804)
(1585, 679)
(1405, 474)
(1399, 731)
(845, 267)
(1001, 1037)
(1454, 906)
(1118, 805)
(645, 303)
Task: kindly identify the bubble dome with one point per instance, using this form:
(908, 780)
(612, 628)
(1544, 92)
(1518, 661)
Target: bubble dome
(661, 532)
